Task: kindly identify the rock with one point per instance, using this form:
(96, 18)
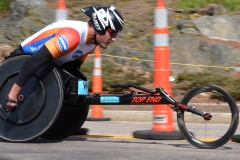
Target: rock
(26, 18)
(22, 8)
(219, 27)
(191, 31)
(193, 55)
(181, 24)
(5, 50)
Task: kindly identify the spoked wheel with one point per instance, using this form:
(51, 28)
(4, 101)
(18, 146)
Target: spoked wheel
(70, 119)
(39, 102)
(222, 109)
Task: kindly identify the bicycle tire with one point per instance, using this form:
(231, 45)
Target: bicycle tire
(232, 121)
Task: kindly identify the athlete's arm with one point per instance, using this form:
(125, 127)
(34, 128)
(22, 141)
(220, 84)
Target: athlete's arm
(42, 57)
(65, 41)
(76, 63)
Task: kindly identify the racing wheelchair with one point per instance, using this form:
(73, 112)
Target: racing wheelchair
(54, 103)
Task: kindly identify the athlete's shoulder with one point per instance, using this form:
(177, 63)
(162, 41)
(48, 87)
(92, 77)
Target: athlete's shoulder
(68, 31)
(68, 36)
(70, 26)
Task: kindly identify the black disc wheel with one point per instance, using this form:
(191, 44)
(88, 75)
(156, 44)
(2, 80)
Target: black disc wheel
(39, 102)
(70, 119)
(217, 130)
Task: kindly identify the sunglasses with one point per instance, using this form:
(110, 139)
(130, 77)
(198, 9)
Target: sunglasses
(112, 32)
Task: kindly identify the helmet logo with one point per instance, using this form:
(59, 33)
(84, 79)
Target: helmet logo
(96, 22)
(104, 18)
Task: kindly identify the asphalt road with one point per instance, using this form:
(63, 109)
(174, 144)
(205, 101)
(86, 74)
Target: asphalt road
(113, 140)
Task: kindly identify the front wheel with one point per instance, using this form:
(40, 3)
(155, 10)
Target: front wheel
(214, 133)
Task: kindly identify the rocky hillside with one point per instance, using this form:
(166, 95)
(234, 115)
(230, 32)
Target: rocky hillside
(202, 39)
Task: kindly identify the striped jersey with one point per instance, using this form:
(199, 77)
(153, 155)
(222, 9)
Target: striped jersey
(66, 40)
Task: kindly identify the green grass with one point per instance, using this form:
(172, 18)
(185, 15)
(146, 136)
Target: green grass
(186, 81)
(4, 5)
(231, 5)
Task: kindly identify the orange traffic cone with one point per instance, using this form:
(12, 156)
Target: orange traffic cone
(61, 11)
(97, 111)
(163, 127)
(61, 5)
(162, 113)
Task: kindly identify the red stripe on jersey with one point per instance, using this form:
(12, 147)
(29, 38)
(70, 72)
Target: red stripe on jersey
(65, 41)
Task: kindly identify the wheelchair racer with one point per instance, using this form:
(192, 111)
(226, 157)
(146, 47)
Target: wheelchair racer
(66, 42)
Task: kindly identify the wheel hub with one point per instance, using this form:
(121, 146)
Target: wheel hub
(207, 116)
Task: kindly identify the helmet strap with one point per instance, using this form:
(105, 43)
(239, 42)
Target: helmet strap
(95, 38)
